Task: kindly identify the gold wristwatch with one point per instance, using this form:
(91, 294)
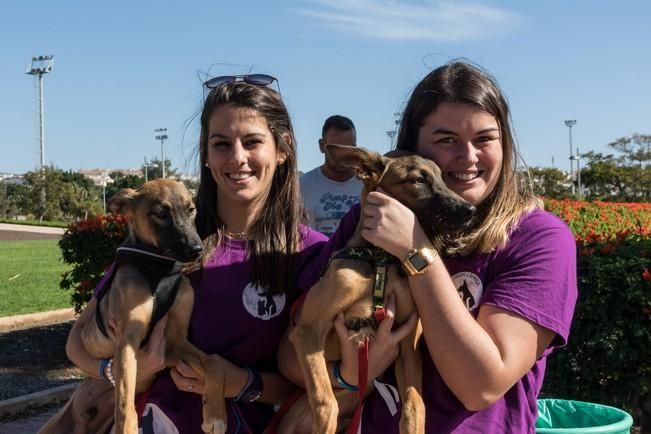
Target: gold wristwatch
(418, 260)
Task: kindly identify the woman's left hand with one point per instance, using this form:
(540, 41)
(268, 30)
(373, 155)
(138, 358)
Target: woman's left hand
(389, 225)
(189, 380)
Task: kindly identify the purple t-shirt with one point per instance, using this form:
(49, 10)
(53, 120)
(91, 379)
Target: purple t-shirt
(534, 276)
(238, 321)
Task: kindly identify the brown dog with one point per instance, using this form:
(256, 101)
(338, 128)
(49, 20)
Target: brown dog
(348, 284)
(147, 284)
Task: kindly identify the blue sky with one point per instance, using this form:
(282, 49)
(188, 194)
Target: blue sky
(124, 68)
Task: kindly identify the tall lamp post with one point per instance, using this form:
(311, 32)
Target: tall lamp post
(577, 157)
(147, 166)
(40, 66)
(161, 134)
(569, 124)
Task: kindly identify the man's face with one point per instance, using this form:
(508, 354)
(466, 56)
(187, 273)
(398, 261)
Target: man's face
(335, 136)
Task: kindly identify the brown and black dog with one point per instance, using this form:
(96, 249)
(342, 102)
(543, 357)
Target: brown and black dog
(147, 283)
(348, 283)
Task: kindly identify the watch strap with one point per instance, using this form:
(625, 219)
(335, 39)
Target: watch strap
(252, 390)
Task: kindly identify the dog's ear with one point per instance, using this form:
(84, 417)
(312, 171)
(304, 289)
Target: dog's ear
(122, 201)
(369, 165)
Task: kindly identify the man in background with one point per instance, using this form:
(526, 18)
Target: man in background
(330, 190)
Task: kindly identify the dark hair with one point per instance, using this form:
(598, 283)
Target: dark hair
(464, 83)
(275, 231)
(341, 123)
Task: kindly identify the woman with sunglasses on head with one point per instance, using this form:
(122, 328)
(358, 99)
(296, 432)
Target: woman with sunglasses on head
(249, 216)
(499, 297)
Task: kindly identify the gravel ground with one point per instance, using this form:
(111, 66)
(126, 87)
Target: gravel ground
(34, 359)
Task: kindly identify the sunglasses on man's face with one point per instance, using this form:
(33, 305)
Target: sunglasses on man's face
(255, 79)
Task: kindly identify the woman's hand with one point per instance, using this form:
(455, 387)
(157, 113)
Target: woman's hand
(391, 226)
(383, 349)
(151, 358)
(189, 380)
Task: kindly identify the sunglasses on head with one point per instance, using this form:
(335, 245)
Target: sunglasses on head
(255, 79)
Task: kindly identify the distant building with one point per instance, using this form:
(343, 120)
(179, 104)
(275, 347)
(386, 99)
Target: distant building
(12, 178)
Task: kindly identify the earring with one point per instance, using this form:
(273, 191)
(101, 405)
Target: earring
(207, 165)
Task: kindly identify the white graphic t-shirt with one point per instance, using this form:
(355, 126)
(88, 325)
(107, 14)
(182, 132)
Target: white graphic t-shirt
(327, 201)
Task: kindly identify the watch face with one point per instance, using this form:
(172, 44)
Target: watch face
(418, 261)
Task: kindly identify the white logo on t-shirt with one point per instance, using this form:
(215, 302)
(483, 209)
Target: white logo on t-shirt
(469, 287)
(260, 304)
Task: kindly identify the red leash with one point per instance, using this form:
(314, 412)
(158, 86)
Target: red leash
(282, 411)
(362, 376)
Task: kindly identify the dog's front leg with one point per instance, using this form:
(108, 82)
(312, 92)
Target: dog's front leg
(124, 372)
(309, 342)
(409, 376)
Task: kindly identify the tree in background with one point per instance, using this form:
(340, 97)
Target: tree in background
(155, 169)
(50, 194)
(120, 181)
(625, 177)
(54, 195)
(550, 182)
(635, 149)
(11, 196)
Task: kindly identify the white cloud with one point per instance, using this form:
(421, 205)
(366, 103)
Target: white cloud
(429, 20)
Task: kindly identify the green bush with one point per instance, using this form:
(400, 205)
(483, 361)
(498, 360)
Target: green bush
(89, 246)
(608, 357)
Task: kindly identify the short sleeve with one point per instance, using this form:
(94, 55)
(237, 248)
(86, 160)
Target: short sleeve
(535, 275)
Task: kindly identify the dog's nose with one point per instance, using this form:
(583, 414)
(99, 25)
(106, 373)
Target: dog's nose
(195, 250)
(467, 212)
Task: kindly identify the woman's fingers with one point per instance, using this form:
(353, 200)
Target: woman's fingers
(403, 330)
(186, 370)
(389, 315)
(186, 378)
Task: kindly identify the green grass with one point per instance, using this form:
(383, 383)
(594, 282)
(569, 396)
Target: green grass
(30, 272)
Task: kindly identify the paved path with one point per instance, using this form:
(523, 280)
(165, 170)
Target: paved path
(29, 425)
(19, 322)
(29, 228)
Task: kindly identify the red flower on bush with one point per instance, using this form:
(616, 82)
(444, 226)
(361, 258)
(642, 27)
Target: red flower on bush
(607, 249)
(89, 246)
(587, 251)
(646, 274)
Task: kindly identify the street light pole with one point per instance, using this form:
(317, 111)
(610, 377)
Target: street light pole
(161, 134)
(40, 66)
(147, 166)
(578, 173)
(570, 123)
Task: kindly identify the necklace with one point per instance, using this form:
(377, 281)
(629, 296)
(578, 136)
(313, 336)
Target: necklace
(236, 235)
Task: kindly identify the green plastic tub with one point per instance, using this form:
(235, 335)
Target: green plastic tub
(560, 416)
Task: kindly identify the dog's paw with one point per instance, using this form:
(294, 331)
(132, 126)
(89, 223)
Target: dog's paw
(214, 426)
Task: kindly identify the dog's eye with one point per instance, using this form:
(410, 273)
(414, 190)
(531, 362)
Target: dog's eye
(419, 180)
(162, 213)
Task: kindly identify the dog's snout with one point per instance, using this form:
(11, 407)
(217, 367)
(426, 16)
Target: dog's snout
(468, 211)
(195, 250)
